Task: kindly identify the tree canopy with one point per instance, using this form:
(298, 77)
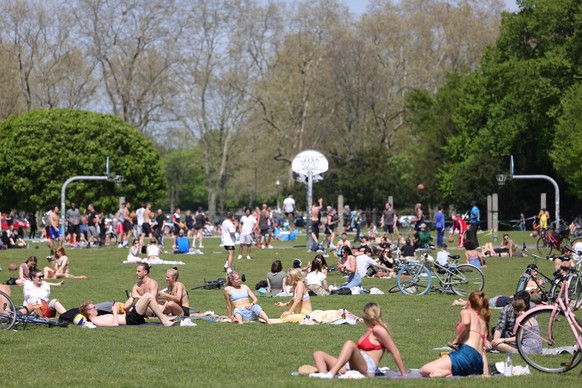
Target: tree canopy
(42, 149)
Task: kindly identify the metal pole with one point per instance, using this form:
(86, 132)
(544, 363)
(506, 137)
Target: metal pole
(556, 188)
(309, 203)
(64, 190)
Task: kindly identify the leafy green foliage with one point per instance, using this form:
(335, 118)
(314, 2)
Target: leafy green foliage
(511, 105)
(42, 149)
(567, 146)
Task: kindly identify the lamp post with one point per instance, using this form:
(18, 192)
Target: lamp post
(278, 183)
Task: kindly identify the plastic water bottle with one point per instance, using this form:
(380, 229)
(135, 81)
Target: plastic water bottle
(295, 373)
(508, 370)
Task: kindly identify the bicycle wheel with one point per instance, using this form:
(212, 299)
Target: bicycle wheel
(574, 291)
(543, 248)
(466, 278)
(414, 279)
(546, 341)
(7, 312)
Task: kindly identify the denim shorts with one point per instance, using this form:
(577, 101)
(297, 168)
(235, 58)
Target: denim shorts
(371, 365)
(248, 315)
(466, 361)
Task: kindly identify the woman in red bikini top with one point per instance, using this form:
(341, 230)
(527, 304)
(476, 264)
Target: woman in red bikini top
(363, 356)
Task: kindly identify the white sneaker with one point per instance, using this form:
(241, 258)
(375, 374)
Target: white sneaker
(239, 257)
(201, 246)
(248, 257)
(120, 246)
(270, 246)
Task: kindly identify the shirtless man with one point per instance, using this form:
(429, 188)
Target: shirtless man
(134, 316)
(315, 221)
(54, 231)
(144, 286)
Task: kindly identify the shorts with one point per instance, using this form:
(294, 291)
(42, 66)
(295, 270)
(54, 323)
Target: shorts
(146, 228)
(127, 226)
(47, 310)
(133, 318)
(92, 231)
(54, 233)
(388, 228)
(246, 239)
(292, 215)
(265, 232)
(248, 315)
(315, 227)
(466, 361)
(120, 228)
(329, 229)
(74, 229)
(371, 365)
(198, 226)
(229, 247)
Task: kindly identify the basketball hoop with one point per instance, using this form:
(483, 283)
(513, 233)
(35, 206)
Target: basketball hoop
(501, 179)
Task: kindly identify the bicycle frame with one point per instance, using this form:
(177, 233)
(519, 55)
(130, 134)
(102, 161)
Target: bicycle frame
(562, 305)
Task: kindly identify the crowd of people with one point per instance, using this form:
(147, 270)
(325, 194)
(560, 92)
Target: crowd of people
(375, 254)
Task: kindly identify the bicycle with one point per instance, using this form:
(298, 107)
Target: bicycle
(549, 338)
(542, 282)
(550, 295)
(460, 279)
(554, 241)
(10, 316)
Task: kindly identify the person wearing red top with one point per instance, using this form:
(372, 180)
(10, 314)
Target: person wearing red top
(363, 356)
(460, 225)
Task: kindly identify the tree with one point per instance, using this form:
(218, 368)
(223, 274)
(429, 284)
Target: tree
(512, 104)
(567, 149)
(42, 149)
(134, 45)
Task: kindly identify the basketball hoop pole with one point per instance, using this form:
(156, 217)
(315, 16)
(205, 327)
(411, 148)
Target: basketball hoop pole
(556, 188)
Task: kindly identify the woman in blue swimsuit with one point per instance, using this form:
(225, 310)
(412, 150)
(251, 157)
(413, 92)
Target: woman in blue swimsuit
(238, 306)
(470, 357)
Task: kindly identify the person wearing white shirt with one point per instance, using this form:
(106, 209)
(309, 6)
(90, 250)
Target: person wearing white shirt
(443, 256)
(228, 237)
(289, 209)
(364, 260)
(248, 224)
(37, 297)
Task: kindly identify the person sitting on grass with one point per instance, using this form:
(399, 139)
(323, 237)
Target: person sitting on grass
(176, 296)
(503, 338)
(508, 248)
(238, 306)
(301, 300)
(37, 297)
(133, 316)
(153, 250)
(470, 357)
(363, 356)
(145, 285)
(472, 256)
(347, 266)
(276, 279)
(59, 266)
(182, 243)
(26, 269)
(317, 280)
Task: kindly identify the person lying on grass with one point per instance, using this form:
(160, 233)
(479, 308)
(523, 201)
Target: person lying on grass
(363, 356)
(175, 295)
(134, 316)
(301, 300)
(470, 357)
(238, 306)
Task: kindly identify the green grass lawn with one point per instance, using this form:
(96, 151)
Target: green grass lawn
(223, 354)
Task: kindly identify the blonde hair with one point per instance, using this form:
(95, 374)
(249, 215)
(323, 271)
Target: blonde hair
(373, 315)
(230, 277)
(295, 275)
(173, 272)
